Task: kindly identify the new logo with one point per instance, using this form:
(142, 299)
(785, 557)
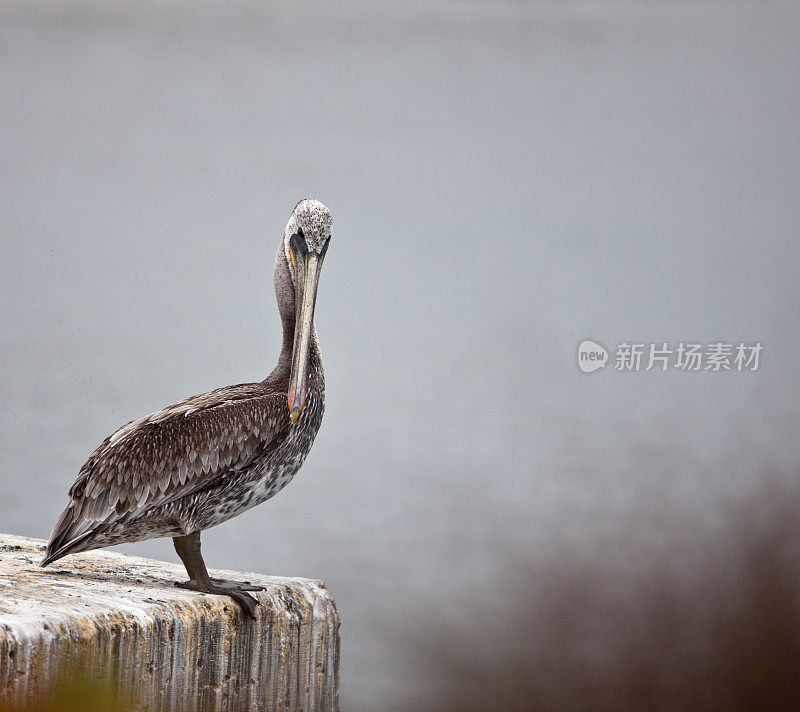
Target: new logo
(591, 356)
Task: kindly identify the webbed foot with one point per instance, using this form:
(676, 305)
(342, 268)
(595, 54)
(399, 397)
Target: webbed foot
(238, 593)
(239, 585)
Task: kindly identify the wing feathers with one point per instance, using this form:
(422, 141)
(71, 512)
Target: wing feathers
(165, 456)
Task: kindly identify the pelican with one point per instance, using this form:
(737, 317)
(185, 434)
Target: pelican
(199, 462)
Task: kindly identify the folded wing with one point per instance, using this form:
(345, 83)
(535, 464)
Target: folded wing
(168, 455)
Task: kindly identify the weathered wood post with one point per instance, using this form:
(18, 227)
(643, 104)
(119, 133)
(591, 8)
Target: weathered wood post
(119, 619)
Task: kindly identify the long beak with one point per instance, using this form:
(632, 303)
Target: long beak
(307, 271)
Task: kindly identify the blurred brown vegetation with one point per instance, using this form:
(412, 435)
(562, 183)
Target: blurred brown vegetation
(661, 616)
(706, 620)
(73, 693)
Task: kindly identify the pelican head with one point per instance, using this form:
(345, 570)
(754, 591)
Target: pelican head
(305, 241)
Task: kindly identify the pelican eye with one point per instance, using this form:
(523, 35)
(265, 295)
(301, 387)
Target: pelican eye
(298, 242)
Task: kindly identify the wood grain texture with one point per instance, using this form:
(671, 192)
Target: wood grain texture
(120, 619)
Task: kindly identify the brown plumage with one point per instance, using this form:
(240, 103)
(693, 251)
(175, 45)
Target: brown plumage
(212, 456)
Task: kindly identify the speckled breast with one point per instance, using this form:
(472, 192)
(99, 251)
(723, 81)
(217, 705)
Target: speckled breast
(264, 477)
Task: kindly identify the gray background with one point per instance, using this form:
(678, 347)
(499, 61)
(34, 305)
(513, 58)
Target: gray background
(506, 179)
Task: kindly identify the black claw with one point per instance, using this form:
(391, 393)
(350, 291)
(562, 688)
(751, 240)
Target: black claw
(246, 601)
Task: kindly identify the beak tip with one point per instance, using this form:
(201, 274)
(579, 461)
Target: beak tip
(294, 415)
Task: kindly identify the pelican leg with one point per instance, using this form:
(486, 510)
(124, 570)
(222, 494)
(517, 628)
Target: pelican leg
(188, 548)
